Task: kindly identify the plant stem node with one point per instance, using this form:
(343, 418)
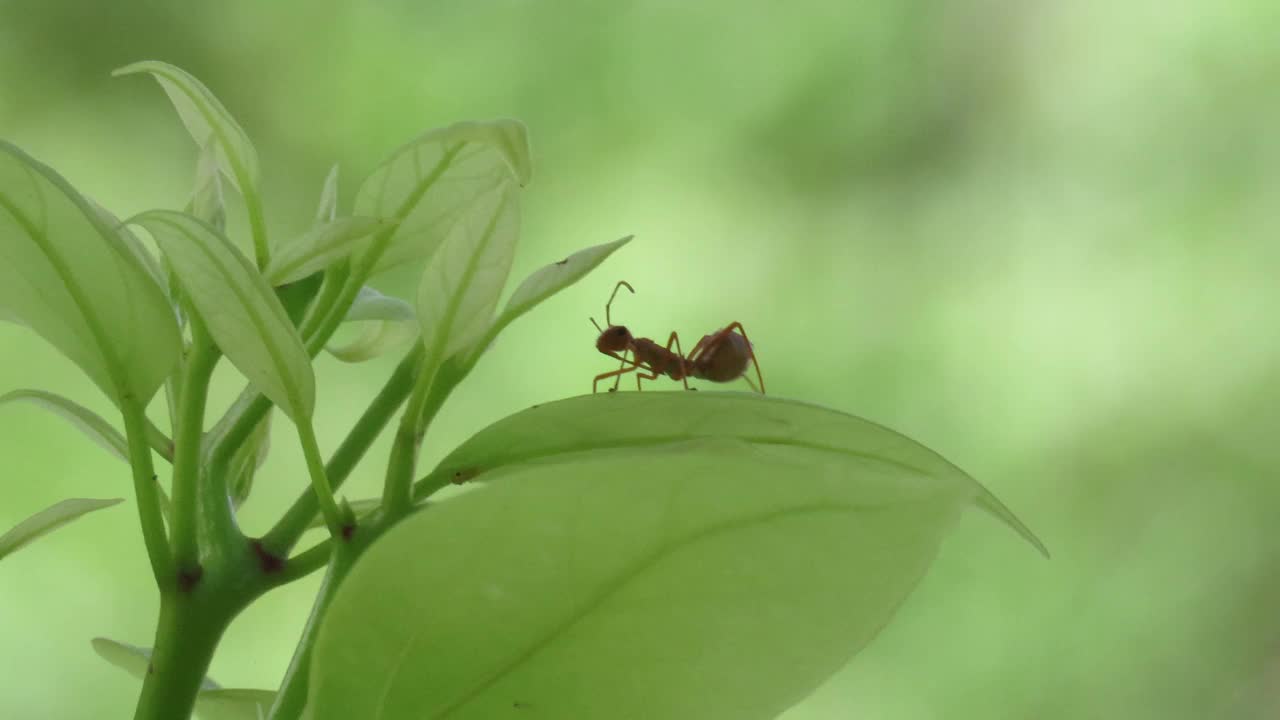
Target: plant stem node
(267, 562)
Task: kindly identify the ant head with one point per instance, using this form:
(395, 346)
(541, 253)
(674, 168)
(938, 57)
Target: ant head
(613, 339)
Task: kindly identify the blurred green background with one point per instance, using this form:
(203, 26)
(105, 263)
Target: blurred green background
(1039, 237)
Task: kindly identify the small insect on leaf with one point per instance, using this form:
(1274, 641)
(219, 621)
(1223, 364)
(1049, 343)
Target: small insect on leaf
(48, 520)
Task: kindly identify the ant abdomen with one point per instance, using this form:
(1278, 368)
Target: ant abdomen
(723, 361)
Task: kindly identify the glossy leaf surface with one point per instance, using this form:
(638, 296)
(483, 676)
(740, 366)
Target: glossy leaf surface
(464, 279)
(678, 555)
(242, 313)
(428, 184)
(70, 277)
(591, 423)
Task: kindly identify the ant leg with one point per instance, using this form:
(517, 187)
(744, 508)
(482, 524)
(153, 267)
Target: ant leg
(750, 350)
(618, 379)
(653, 374)
(699, 348)
(595, 386)
(680, 354)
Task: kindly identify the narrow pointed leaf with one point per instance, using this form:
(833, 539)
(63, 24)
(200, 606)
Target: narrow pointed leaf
(462, 282)
(206, 119)
(320, 247)
(243, 315)
(248, 459)
(548, 281)
(560, 431)
(328, 208)
(73, 279)
(427, 185)
(48, 520)
(85, 420)
(711, 578)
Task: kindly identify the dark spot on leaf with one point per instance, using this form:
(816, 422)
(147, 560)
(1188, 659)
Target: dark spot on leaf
(267, 562)
(562, 262)
(348, 530)
(151, 668)
(462, 476)
(188, 578)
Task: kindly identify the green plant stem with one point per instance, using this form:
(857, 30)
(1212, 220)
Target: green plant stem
(328, 324)
(335, 279)
(292, 697)
(159, 441)
(186, 636)
(305, 562)
(404, 450)
(186, 464)
(430, 392)
(144, 487)
(258, 229)
(319, 480)
(285, 534)
(251, 406)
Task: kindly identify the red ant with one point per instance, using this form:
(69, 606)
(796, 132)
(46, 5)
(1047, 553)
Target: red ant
(719, 357)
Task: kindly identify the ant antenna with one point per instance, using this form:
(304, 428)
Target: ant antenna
(616, 288)
(593, 322)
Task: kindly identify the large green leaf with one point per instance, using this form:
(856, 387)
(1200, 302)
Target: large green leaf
(48, 520)
(213, 702)
(428, 184)
(698, 577)
(243, 315)
(207, 120)
(85, 420)
(559, 431)
(72, 278)
(463, 280)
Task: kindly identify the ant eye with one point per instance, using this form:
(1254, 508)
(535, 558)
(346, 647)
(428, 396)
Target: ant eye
(619, 331)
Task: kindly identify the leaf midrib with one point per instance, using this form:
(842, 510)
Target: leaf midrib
(246, 299)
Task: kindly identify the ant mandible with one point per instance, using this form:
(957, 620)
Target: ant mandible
(721, 357)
